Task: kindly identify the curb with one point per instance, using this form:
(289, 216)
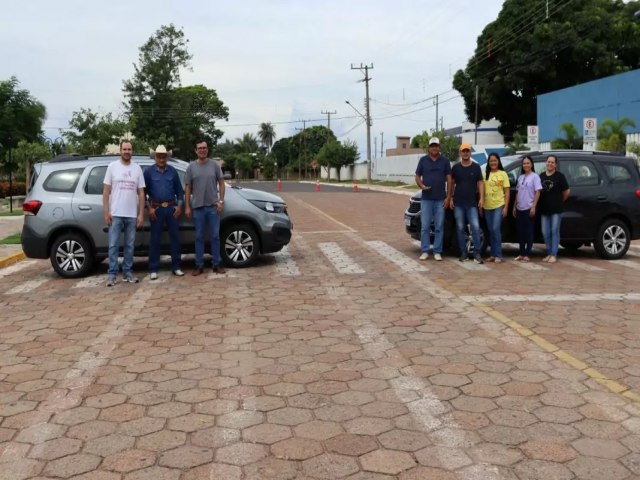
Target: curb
(11, 259)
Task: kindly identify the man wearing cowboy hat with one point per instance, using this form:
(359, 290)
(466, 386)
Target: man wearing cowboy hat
(165, 197)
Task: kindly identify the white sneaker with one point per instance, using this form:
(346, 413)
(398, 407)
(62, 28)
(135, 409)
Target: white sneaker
(153, 276)
(424, 256)
(437, 257)
(178, 273)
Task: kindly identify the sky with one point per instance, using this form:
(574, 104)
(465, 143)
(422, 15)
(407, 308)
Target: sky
(278, 61)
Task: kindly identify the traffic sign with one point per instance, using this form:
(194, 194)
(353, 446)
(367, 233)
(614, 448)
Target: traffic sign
(532, 136)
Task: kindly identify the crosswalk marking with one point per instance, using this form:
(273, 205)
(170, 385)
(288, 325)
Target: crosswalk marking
(469, 265)
(626, 263)
(91, 282)
(399, 259)
(534, 267)
(580, 265)
(16, 267)
(340, 260)
(285, 264)
(30, 285)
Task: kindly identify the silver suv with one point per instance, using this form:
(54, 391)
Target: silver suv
(64, 221)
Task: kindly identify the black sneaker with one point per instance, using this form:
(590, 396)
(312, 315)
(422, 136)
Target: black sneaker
(464, 257)
(478, 259)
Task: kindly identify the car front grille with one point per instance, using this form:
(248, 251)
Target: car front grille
(414, 207)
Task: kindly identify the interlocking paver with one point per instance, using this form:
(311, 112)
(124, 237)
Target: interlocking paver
(129, 460)
(185, 457)
(72, 465)
(330, 466)
(241, 453)
(296, 449)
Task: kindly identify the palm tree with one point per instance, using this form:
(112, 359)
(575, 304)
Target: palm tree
(248, 143)
(571, 140)
(518, 144)
(267, 135)
(612, 134)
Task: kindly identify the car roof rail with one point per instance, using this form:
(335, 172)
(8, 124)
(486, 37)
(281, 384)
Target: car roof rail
(69, 157)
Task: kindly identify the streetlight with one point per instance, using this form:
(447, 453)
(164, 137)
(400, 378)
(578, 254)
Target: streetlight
(367, 119)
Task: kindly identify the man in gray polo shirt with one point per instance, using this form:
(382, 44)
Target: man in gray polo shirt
(204, 181)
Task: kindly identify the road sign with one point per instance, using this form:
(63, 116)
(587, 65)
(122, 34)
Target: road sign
(590, 130)
(532, 136)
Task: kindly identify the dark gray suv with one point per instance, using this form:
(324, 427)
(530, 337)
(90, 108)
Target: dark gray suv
(64, 221)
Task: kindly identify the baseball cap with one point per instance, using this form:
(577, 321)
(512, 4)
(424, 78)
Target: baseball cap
(465, 146)
(434, 140)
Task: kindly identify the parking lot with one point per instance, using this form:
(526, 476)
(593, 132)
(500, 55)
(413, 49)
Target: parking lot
(340, 357)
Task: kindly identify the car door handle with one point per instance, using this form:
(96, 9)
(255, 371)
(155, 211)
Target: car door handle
(84, 207)
(601, 198)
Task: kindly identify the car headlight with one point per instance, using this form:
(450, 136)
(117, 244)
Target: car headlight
(270, 207)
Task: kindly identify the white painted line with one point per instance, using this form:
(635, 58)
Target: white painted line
(285, 264)
(469, 265)
(15, 268)
(533, 267)
(580, 265)
(399, 259)
(84, 372)
(29, 285)
(91, 282)
(340, 260)
(626, 264)
(568, 297)
(315, 232)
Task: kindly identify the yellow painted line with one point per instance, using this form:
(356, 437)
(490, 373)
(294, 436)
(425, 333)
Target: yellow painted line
(11, 259)
(320, 212)
(611, 385)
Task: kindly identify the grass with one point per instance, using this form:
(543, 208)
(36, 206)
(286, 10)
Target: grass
(11, 239)
(16, 213)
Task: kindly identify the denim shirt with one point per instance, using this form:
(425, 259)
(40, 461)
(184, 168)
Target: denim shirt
(163, 186)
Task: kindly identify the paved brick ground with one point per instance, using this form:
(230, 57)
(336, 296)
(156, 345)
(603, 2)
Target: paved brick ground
(343, 358)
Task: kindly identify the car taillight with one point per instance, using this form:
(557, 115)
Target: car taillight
(31, 207)
(638, 192)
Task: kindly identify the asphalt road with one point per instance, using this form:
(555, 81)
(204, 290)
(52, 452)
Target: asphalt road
(341, 357)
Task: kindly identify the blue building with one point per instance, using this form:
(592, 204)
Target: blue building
(611, 97)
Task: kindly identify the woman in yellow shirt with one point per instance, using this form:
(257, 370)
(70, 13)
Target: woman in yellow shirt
(496, 203)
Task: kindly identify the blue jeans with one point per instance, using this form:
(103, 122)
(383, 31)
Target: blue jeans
(551, 232)
(525, 225)
(431, 210)
(494, 225)
(208, 215)
(118, 224)
(164, 216)
(463, 216)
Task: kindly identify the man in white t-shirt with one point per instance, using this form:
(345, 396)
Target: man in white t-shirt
(123, 207)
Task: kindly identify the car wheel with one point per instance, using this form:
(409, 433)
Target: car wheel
(240, 245)
(71, 255)
(571, 246)
(613, 239)
(468, 241)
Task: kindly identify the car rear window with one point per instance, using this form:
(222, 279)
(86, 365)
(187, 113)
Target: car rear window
(618, 173)
(580, 173)
(63, 180)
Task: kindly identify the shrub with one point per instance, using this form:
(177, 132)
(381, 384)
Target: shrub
(17, 188)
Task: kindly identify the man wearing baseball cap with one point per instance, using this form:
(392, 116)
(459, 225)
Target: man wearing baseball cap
(433, 176)
(467, 201)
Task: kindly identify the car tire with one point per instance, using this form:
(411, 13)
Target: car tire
(484, 241)
(240, 245)
(71, 255)
(613, 239)
(571, 246)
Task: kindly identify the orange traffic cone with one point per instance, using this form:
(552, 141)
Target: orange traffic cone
(317, 185)
(279, 185)
(355, 186)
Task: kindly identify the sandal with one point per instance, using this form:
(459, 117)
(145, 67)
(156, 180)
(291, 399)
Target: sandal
(491, 259)
(525, 259)
(518, 258)
(498, 260)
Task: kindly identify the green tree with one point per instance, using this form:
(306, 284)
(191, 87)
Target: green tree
(159, 107)
(21, 118)
(517, 144)
(634, 148)
(449, 146)
(248, 143)
(572, 139)
(266, 135)
(523, 54)
(612, 134)
(90, 132)
(27, 153)
(334, 154)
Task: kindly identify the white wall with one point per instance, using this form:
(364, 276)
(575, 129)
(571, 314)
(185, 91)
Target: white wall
(487, 133)
(632, 138)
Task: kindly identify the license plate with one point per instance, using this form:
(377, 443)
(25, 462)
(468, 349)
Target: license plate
(407, 222)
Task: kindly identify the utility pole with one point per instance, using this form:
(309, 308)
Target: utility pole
(476, 119)
(365, 69)
(382, 144)
(304, 127)
(328, 114)
(435, 102)
(375, 147)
